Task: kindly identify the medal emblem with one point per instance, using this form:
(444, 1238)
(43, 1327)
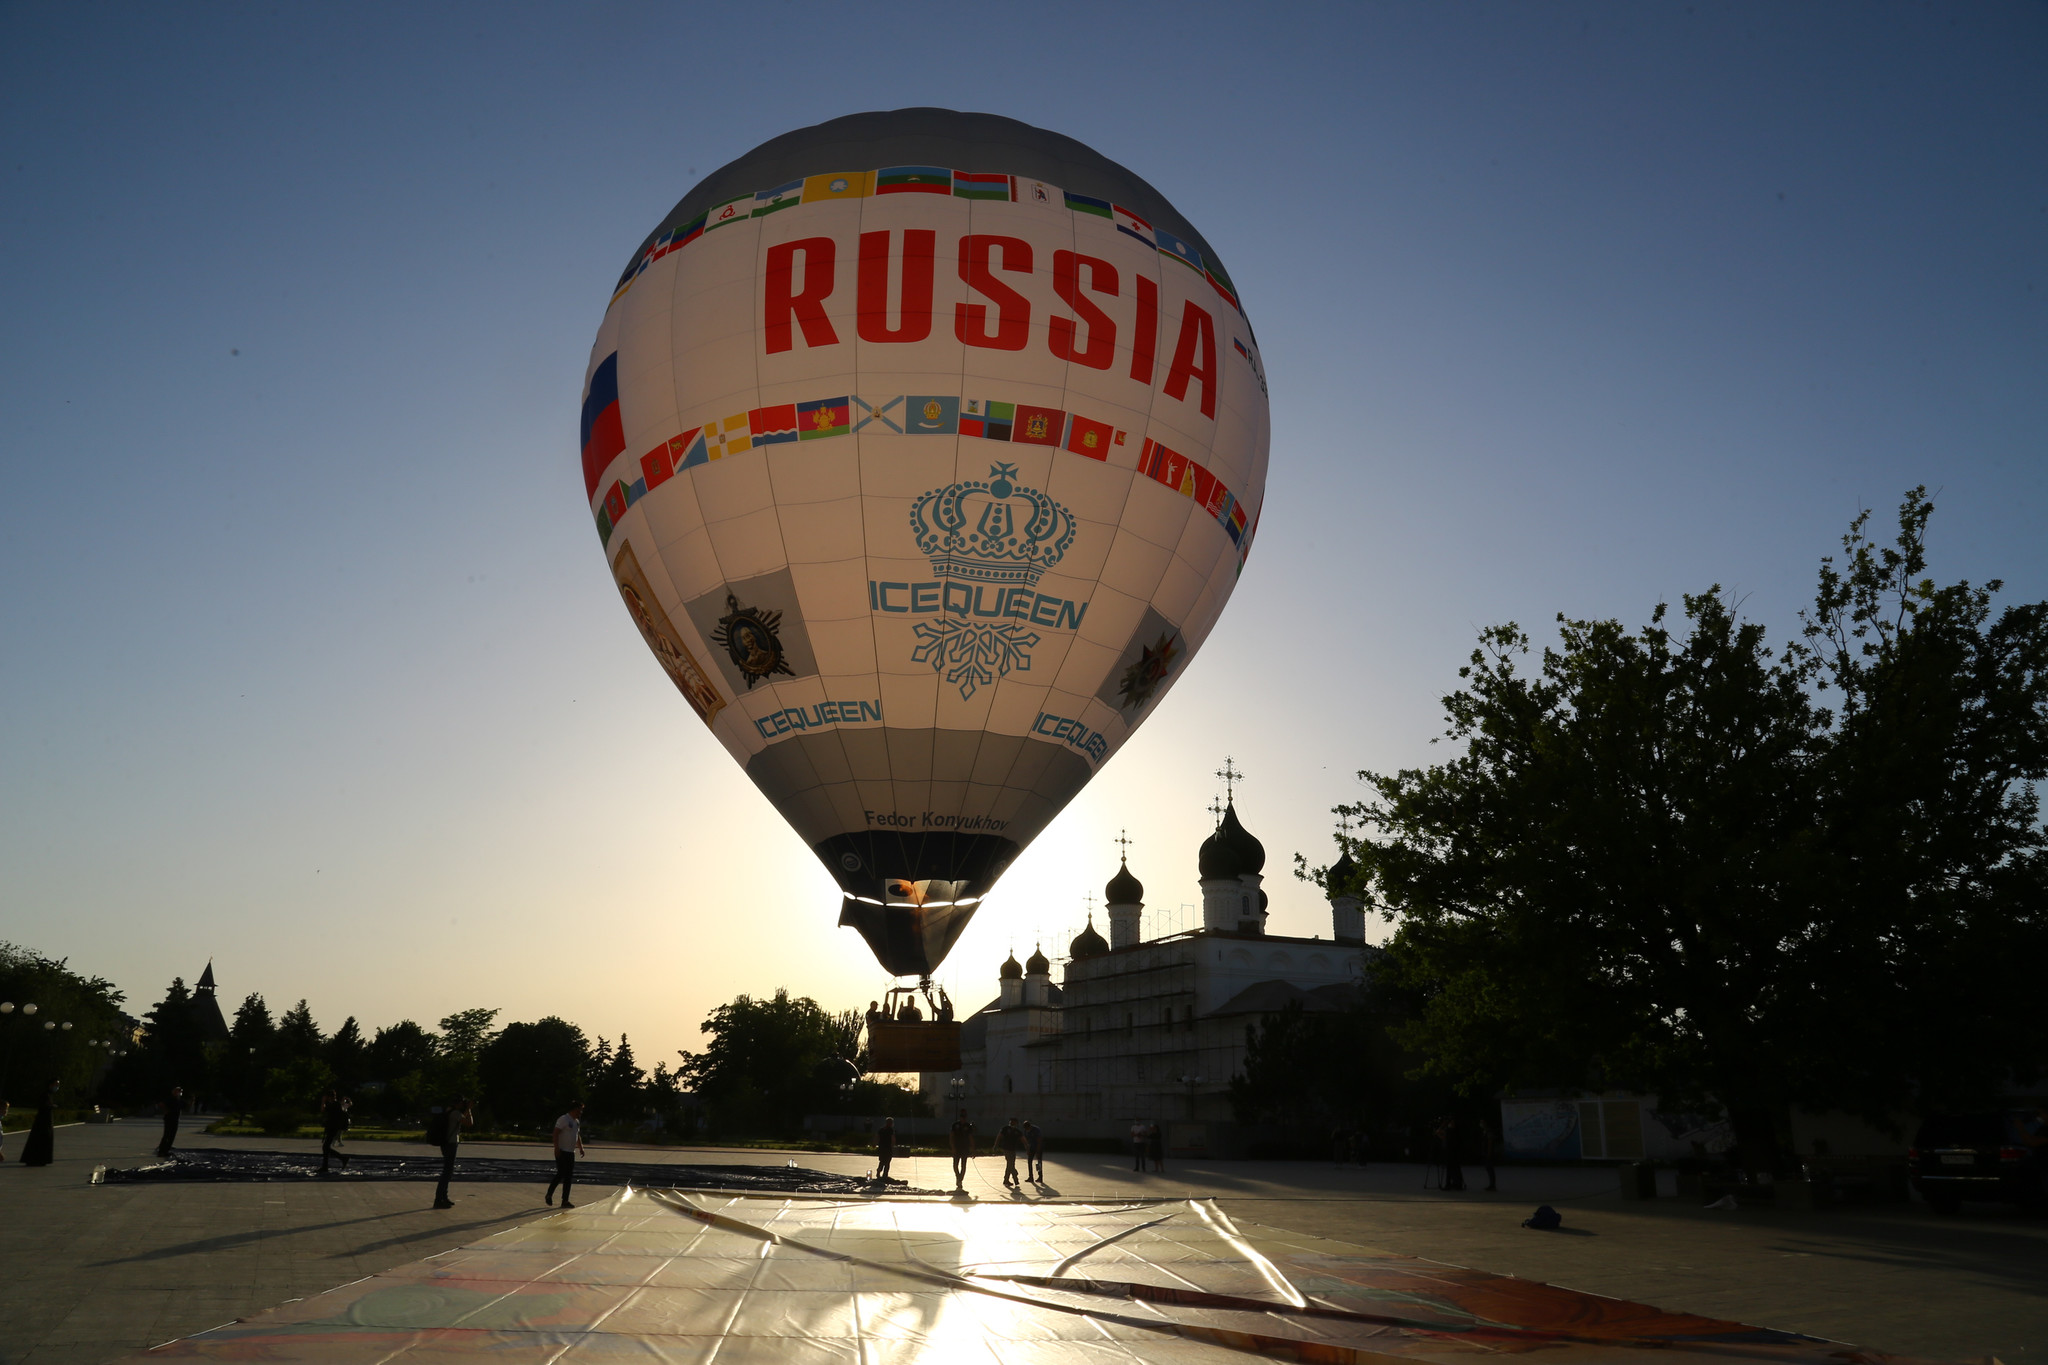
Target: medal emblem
(749, 637)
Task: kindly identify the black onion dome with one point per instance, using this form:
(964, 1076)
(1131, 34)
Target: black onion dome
(1088, 943)
(1218, 859)
(1337, 881)
(1036, 964)
(1123, 888)
(1251, 854)
(1010, 971)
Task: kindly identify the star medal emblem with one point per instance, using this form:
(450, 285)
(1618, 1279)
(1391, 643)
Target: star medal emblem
(1142, 679)
(749, 637)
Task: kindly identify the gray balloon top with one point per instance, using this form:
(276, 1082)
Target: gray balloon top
(929, 137)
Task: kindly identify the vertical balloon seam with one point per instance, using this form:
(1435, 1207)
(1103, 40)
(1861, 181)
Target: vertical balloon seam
(1009, 783)
(775, 503)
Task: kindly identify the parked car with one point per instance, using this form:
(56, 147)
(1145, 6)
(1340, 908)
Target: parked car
(2001, 1157)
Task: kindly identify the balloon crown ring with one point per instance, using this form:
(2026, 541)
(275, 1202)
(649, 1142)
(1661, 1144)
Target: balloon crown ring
(993, 530)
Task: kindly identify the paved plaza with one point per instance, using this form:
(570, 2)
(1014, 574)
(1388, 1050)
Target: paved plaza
(88, 1273)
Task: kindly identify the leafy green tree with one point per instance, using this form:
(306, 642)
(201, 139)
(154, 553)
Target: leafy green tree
(1930, 798)
(347, 1054)
(295, 1088)
(298, 1036)
(401, 1059)
(1659, 863)
(618, 1087)
(761, 1072)
(532, 1072)
(402, 1048)
(250, 1053)
(464, 1036)
(32, 1056)
(170, 1052)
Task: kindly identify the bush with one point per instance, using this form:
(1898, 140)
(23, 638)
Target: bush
(281, 1122)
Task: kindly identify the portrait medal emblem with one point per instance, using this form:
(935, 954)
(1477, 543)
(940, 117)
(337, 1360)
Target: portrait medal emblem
(749, 637)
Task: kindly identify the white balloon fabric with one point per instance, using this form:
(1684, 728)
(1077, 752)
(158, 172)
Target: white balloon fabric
(925, 448)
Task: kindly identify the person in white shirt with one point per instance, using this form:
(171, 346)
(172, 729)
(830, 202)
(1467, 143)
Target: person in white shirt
(568, 1146)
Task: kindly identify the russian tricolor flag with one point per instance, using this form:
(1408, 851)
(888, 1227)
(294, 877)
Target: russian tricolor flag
(604, 434)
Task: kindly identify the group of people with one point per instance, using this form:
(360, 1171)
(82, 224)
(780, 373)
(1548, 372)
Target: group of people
(1013, 1139)
(889, 1012)
(40, 1147)
(445, 1126)
(1450, 1151)
(1350, 1146)
(1148, 1144)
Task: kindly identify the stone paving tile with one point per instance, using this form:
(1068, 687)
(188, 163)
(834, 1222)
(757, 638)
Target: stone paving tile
(87, 1274)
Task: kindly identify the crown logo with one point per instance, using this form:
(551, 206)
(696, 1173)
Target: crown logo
(992, 530)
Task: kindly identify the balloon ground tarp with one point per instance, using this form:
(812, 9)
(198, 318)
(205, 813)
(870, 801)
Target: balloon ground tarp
(666, 1276)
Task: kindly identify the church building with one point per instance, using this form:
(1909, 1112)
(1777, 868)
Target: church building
(1140, 1030)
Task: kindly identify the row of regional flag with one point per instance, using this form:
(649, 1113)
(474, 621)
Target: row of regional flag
(922, 415)
(974, 185)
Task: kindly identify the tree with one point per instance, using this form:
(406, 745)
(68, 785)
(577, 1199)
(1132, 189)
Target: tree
(401, 1057)
(760, 1072)
(32, 1056)
(346, 1054)
(1660, 863)
(1931, 802)
(251, 1052)
(464, 1036)
(532, 1072)
(298, 1036)
(171, 1051)
(617, 1086)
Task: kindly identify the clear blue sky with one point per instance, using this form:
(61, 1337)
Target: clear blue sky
(309, 660)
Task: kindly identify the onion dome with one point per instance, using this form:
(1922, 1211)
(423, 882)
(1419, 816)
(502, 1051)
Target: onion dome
(1123, 888)
(1010, 971)
(1337, 881)
(1087, 943)
(1036, 965)
(1231, 851)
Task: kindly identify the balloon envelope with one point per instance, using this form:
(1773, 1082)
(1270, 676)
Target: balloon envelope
(925, 448)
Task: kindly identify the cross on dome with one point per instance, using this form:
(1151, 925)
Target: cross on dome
(1231, 777)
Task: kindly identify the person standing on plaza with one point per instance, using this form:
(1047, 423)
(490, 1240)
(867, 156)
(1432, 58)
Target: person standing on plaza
(963, 1149)
(1155, 1146)
(1489, 1143)
(885, 1148)
(568, 1146)
(174, 1105)
(333, 1123)
(1138, 1146)
(41, 1147)
(1034, 1153)
(1454, 1169)
(1009, 1138)
(445, 1123)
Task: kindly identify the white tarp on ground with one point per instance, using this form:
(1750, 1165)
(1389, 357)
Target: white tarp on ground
(666, 1276)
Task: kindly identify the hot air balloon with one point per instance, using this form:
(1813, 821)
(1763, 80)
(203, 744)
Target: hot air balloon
(925, 449)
